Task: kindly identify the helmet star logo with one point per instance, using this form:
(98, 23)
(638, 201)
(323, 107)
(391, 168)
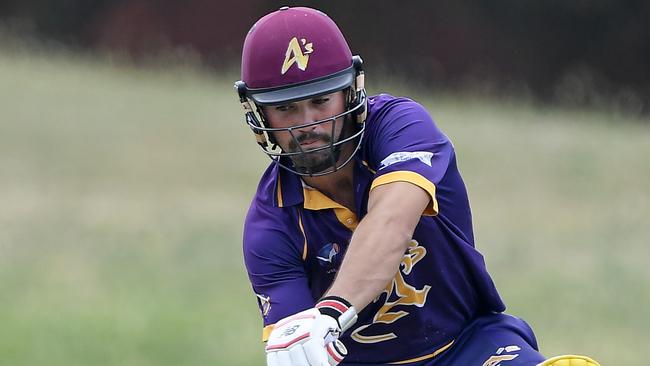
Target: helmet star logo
(296, 55)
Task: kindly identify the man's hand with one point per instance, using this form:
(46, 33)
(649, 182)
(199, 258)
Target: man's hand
(310, 338)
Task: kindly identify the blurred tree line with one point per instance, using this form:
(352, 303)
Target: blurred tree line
(577, 51)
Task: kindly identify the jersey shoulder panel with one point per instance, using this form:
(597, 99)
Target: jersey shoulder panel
(398, 124)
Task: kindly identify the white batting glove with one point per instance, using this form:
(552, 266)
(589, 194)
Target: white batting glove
(310, 338)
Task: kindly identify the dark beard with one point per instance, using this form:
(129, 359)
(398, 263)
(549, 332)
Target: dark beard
(315, 161)
(318, 161)
(321, 160)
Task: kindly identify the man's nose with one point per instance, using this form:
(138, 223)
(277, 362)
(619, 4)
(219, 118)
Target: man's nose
(309, 115)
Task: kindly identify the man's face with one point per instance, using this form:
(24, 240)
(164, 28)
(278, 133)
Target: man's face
(310, 137)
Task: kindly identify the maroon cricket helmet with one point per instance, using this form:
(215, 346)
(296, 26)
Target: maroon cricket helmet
(293, 54)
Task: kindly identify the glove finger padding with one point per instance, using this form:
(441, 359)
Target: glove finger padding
(298, 357)
(284, 357)
(272, 359)
(278, 358)
(336, 351)
(315, 352)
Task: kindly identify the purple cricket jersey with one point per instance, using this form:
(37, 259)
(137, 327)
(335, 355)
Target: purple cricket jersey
(295, 238)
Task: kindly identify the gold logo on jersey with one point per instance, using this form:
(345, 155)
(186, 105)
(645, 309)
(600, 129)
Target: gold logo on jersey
(398, 292)
(296, 55)
(498, 358)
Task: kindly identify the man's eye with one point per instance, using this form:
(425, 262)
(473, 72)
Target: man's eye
(321, 100)
(282, 108)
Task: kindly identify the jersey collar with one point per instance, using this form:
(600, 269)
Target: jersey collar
(290, 190)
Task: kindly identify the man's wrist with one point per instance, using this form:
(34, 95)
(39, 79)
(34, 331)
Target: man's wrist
(338, 308)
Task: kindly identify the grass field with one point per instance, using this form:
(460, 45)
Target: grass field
(123, 190)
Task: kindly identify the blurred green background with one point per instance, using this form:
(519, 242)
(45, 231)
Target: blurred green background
(123, 190)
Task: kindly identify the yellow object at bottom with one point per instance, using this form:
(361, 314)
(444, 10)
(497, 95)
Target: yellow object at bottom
(569, 360)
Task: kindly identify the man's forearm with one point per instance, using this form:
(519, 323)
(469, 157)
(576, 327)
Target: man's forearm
(372, 259)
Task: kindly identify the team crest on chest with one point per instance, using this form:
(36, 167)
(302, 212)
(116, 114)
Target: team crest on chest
(328, 253)
(297, 53)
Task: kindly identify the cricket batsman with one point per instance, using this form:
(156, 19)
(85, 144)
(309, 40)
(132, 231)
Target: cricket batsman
(358, 242)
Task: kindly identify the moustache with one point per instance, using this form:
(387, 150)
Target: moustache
(307, 136)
